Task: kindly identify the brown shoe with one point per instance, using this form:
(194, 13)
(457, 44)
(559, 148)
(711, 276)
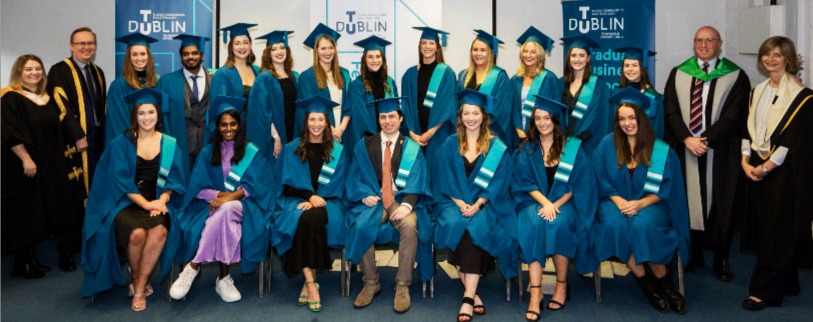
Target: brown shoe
(365, 297)
(402, 301)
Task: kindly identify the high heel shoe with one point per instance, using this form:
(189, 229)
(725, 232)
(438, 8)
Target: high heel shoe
(314, 306)
(561, 305)
(537, 314)
(469, 301)
(479, 309)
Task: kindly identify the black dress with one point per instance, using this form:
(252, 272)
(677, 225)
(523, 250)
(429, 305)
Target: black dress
(31, 204)
(134, 217)
(469, 257)
(570, 101)
(424, 77)
(288, 87)
(309, 246)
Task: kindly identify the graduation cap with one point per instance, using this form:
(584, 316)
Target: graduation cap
(580, 41)
(430, 33)
(554, 108)
(317, 104)
(136, 39)
(276, 37)
(472, 97)
(145, 95)
(192, 40)
(632, 96)
(533, 34)
(489, 39)
(320, 30)
(389, 104)
(221, 104)
(238, 29)
(373, 43)
(636, 53)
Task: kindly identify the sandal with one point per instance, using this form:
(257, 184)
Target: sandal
(535, 313)
(313, 306)
(140, 305)
(561, 305)
(147, 290)
(469, 301)
(479, 309)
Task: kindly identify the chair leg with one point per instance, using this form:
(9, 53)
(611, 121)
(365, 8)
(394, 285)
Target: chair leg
(508, 289)
(347, 281)
(170, 280)
(343, 277)
(432, 288)
(520, 290)
(269, 273)
(597, 279)
(680, 275)
(90, 299)
(260, 281)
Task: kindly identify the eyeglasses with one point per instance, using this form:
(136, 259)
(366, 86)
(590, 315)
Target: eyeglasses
(698, 41)
(85, 44)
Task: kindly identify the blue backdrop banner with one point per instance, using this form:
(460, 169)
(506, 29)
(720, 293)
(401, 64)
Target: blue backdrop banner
(163, 20)
(612, 24)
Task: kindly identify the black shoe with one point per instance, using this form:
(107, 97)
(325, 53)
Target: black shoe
(66, 262)
(25, 267)
(536, 314)
(752, 305)
(656, 299)
(40, 266)
(559, 305)
(676, 300)
(722, 271)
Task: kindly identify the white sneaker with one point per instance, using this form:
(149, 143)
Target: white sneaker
(183, 283)
(225, 288)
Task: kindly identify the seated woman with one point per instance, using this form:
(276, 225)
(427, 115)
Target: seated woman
(642, 205)
(310, 216)
(555, 189)
(228, 207)
(473, 206)
(134, 202)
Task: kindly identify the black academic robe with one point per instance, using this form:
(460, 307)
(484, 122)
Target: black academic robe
(32, 205)
(723, 135)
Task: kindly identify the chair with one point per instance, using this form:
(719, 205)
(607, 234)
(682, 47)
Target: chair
(431, 282)
(679, 262)
(521, 290)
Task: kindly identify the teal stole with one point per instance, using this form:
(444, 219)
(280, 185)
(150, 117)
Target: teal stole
(328, 168)
(408, 157)
(434, 84)
(654, 176)
(490, 164)
(567, 160)
(530, 99)
(168, 145)
(584, 98)
(237, 170)
(491, 79)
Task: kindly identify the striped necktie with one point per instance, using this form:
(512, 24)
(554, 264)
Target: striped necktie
(696, 112)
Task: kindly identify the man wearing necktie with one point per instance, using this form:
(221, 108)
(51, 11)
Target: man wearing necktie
(188, 91)
(79, 88)
(705, 104)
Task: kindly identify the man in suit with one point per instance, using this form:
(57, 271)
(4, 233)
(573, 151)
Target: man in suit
(705, 105)
(79, 88)
(385, 205)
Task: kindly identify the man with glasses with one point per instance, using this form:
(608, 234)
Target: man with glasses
(79, 88)
(705, 105)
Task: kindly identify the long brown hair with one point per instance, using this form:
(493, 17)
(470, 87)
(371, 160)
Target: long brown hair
(335, 70)
(132, 131)
(534, 138)
(644, 76)
(644, 138)
(268, 62)
(129, 72)
(230, 59)
(483, 140)
(304, 142)
(438, 53)
(365, 73)
(16, 79)
(570, 75)
(490, 60)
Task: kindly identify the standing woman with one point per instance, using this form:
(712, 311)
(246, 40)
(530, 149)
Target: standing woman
(474, 212)
(328, 80)
(34, 185)
(642, 206)
(272, 103)
(532, 78)
(228, 206)
(483, 75)
(430, 113)
(138, 71)
(237, 76)
(776, 156)
(310, 215)
(634, 74)
(373, 84)
(584, 94)
(134, 204)
(555, 189)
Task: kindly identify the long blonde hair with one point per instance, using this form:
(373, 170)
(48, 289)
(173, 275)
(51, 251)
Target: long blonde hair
(335, 70)
(129, 72)
(16, 79)
(483, 140)
(489, 61)
(540, 58)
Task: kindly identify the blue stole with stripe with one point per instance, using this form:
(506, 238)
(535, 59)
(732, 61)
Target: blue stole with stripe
(408, 157)
(168, 145)
(490, 80)
(237, 171)
(530, 100)
(328, 168)
(584, 98)
(654, 175)
(567, 160)
(490, 164)
(434, 85)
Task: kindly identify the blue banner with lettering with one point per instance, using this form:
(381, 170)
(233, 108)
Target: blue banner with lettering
(162, 20)
(612, 24)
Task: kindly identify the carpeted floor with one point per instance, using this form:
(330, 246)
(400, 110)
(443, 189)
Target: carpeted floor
(56, 298)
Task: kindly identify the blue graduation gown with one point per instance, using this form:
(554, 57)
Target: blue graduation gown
(117, 114)
(296, 174)
(570, 233)
(364, 118)
(550, 89)
(266, 105)
(503, 94)
(494, 228)
(443, 112)
(307, 87)
(174, 86)
(225, 82)
(364, 226)
(597, 118)
(115, 179)
(257, 180)
(654, 112)
(655, 232)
